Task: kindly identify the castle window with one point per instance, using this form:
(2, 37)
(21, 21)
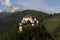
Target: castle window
(28, 22)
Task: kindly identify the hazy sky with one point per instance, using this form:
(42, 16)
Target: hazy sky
(40, 5)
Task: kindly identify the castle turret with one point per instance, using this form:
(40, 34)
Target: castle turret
(20, 27)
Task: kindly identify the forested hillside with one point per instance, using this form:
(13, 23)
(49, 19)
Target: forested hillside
(15, 18)
(54, 23)
(48, 28)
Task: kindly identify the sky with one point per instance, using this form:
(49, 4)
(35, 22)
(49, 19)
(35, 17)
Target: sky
(50, 6)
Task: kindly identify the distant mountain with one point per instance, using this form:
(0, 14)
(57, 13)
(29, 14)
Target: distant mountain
(3, 15)
(12, 9)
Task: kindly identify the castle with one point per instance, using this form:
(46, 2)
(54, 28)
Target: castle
(26, 19)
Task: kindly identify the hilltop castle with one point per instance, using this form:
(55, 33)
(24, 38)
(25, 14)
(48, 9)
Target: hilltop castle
(26, 19)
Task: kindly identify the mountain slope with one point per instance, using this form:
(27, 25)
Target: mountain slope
(50, 22)
(53, 25)
(15, 18)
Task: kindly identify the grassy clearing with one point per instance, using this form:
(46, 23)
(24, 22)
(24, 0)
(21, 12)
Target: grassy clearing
(51, 24)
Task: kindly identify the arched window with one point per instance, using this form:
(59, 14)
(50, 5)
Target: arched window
(28, 22)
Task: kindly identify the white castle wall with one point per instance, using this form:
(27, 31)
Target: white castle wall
(25, 19)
